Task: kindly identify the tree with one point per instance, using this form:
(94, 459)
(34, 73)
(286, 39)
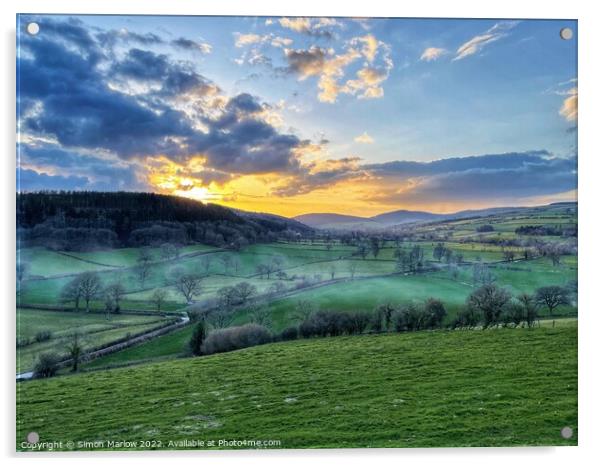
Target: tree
(227, 296)
(244, 291)
(362, 250)
(276, 288)
(448, 255)
(434, 312)
(46, 366)
(89, 286)
(386, 314)
(490, 300)
(374, 246)
(115, 292)
(508, 255)
(529, 304)
(198, 338)
(168, 251)
(72, 292)
(221, 317)
(261, 316)
(189, 285)
(159, 297)
(352, 267)
(439, 251)
(482, 274)
(143, 271)
(552, 297)
(75, 350)
(303, 310)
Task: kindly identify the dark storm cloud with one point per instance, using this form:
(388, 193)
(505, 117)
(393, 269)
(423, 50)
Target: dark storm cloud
(80, 110)
(142, 65)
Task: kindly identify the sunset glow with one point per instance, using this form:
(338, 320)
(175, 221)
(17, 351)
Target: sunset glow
(294, 116)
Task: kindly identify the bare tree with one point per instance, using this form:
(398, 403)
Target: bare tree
(159, 297)
(89, 286)
(552, 297)
(189, 285)
(303, 310)
(261, 316)
(529, 304)
(72, 292)
(115, 292)
(221, 317)
(244, 291)
(276, 288)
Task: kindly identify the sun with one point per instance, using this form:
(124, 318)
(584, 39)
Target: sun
(198, 193)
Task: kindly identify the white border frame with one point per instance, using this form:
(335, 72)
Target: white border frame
(589, 193)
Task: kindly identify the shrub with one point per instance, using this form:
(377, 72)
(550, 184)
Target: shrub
(290, 333)
(234, 338)
(46, 366)
(198, 337)
(485, 228)
(490, 301)
(466, 318)
(358, 322)
(409, 318)
(434, 313)
(43, 335)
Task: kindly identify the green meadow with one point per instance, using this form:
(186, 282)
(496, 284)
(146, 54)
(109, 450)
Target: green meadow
(497, 387)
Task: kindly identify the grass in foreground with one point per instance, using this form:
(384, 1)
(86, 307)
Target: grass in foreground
(499, 387)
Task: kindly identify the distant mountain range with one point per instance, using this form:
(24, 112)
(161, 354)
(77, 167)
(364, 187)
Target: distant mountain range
(329, 221)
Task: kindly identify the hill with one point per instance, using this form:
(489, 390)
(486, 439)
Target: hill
(331, 221)
(87, 220)
(334, 221)
(499, 387)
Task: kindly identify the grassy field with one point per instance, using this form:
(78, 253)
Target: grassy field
(94, 330)
(310, 261)
(500, 387)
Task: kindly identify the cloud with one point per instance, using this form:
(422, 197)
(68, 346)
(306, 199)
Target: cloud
(492, 179)
(330, 68)
(477, 43)
(242, 40)
(144, 105)
(318, 27)
(31, 180)
(364, 138)
(569, 105)
(432, 53)
(187, 44)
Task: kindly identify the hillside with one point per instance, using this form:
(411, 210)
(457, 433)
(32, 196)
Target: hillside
(73, 220)
(328, 221)
(331, 221)
(443, 388)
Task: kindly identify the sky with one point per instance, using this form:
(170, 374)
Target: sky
(299, 115)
